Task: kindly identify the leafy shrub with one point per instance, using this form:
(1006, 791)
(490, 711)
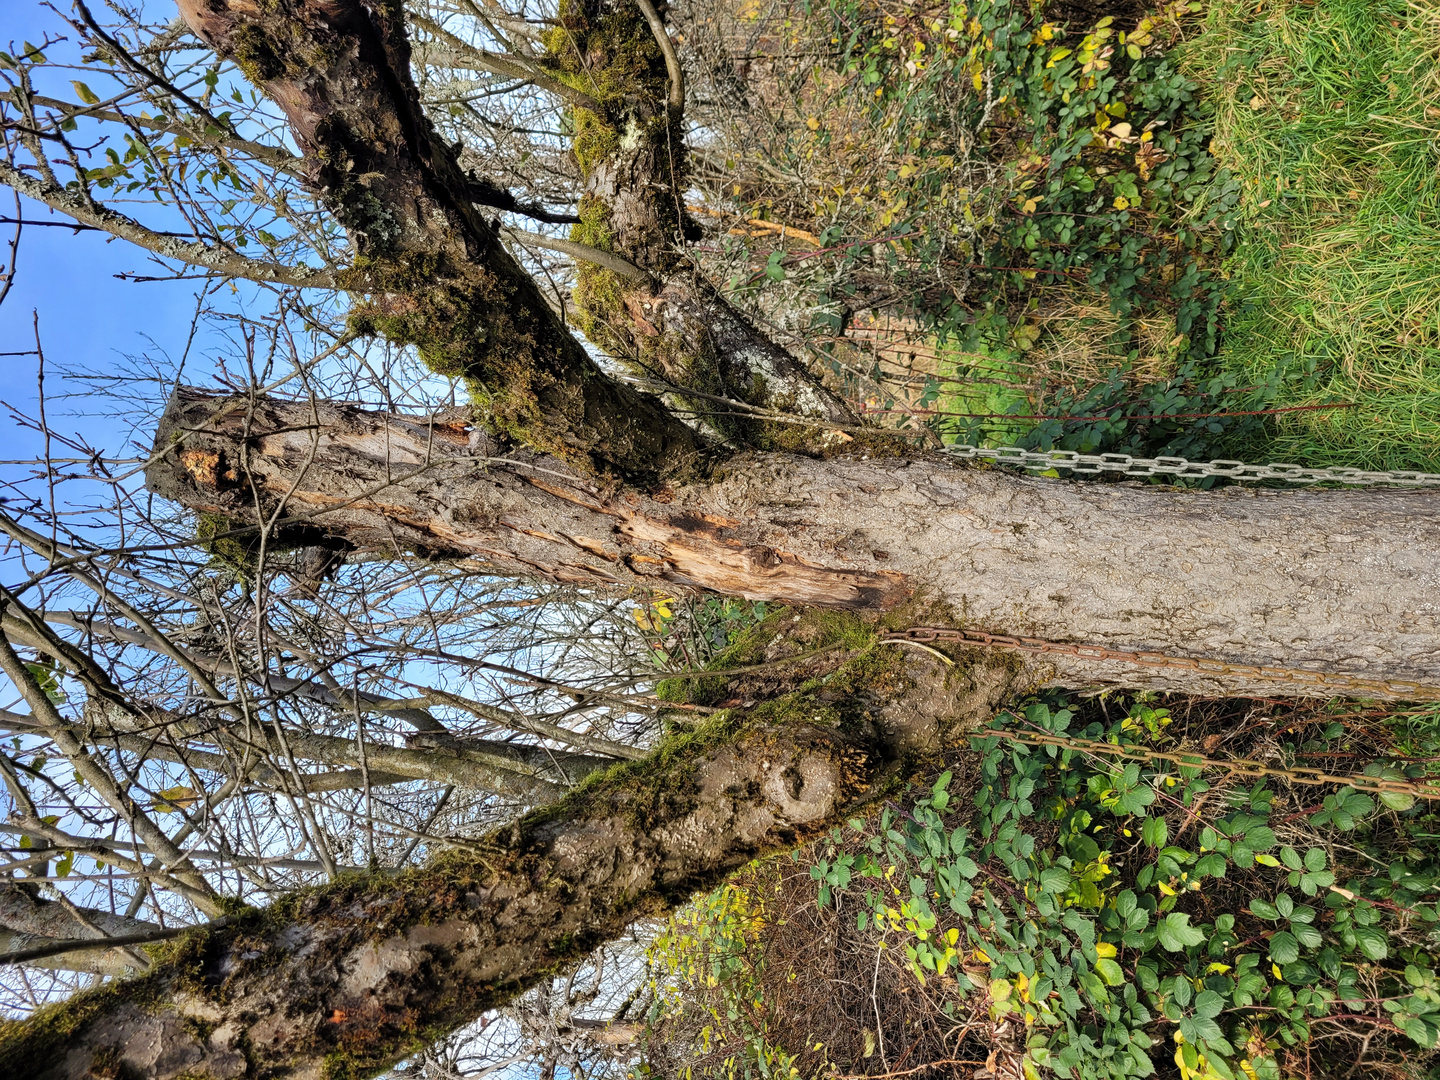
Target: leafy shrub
(1064, 894)
(1026, 158)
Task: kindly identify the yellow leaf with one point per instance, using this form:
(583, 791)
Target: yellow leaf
(1000, 990)
(173, 800)
(1267, 860)
(88, 96)
(813, 123)
(1276, 969)
(1104, 948)
(1121, 203)
(1121, 131)
(1217, 969)
(1166, 889)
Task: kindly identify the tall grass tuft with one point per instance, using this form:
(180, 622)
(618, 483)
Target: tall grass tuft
(1330, 110)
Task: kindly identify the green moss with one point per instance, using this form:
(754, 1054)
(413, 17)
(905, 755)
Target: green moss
(233, 553)
(463, 322)
(254, 53)
(44, 1035)
(234, 545)
(611, 55)
(276, 46)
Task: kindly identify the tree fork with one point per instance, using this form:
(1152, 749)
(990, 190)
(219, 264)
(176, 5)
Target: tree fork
(630, 148)
(431, 266)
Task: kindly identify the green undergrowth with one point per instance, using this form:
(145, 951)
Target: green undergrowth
(1209, 229)
(1329, 111)
(1127, 917)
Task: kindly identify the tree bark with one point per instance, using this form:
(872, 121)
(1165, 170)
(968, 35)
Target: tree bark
(27, 922)
(430, 263)
(348, 978)
(1312, 581)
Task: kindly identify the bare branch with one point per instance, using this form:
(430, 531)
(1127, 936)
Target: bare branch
(214, 259)
(672, 62)
(277, 157)
(609, 260)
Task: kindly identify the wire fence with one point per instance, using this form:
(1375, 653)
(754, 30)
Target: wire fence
(1077, 464)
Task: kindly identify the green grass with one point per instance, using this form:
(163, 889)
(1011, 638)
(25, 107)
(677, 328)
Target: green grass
(1330, 111)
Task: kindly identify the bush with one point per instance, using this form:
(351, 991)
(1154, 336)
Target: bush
(1087, 916)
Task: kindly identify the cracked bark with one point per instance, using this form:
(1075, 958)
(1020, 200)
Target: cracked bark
(1339, 581)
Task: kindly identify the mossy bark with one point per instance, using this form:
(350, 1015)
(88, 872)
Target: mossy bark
(345, 979)
(428, 263)
(632, 155)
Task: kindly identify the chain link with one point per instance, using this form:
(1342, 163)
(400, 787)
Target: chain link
(1403, 688)
(1095, 464)
(1298, 774)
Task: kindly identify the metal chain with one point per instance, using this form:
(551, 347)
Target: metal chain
(1298, 774)
(1095, 464)
(1403, 688)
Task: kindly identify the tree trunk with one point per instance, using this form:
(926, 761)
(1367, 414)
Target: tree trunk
(347, 978)
(430, 263)
(1339, 582)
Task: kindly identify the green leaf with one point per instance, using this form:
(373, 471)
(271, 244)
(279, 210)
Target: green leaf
(1155, 832)
(1264, 909)
(1259, 838)
(1110, 971)
(1125, 904)
(1176, 933)
(48, 681)
(1372, 942)
(88, 96)
(1208, 1003)
(1284, 949)
(1397, 800)
(1055, 879)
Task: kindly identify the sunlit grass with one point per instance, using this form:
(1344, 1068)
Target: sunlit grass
(1330, 111)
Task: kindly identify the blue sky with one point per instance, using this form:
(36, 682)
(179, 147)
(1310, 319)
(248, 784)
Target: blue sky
(88, 317)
